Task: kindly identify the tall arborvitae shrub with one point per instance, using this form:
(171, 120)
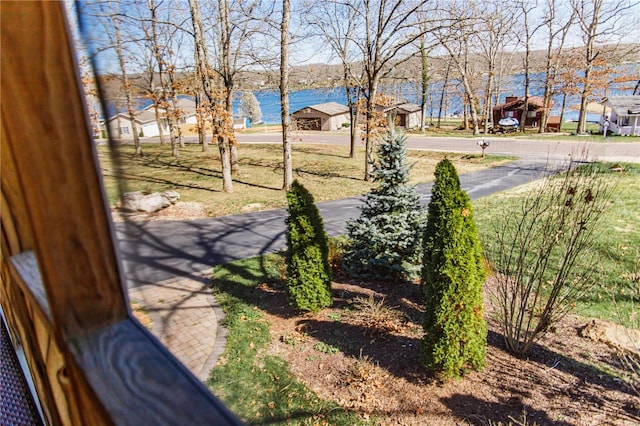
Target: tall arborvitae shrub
(308, 270)
(384, 242)
(452, 277)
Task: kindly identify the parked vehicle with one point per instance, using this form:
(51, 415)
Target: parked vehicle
(506, 125)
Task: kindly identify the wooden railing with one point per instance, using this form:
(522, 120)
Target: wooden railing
(61, 287)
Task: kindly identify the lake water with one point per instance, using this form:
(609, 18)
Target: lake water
(512, 86)
(270, 103)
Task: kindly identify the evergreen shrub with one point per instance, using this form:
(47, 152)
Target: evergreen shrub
(308, 272)
(384, 242)
(452, 278)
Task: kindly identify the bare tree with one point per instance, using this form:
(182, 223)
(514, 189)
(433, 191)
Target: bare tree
(160, 96)
(425, 76)
(525, 37)
(495, 29)
(227, 75)
(386, 30)
(442, 105)
(236, 24)
(213, 102)
(599, 21)
(284, 95)
(126, 85)
(336, 23)
(557, 23)
(109, 16)
(456, 35)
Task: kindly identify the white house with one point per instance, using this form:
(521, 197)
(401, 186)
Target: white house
(146, 122)
(624, 117)
(328, 116)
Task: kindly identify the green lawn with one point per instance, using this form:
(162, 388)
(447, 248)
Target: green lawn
(616, 295)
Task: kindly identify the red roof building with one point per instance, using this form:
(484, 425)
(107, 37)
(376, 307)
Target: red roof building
(514, 108)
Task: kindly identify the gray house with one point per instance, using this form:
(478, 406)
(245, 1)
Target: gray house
(624, 116)
(328, 117)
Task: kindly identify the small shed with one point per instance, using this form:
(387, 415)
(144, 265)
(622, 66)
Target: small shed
(514, 108)
(624, 118)
(328, 117)
(405, 115)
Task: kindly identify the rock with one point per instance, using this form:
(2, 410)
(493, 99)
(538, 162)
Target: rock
(172, 196)
(148, 203)
(612, 334)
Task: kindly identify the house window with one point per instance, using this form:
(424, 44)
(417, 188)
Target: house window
(531, 114)
(124, 130)
(509, 114)
(624, 120)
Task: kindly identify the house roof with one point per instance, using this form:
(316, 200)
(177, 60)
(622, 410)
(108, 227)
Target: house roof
(148, 114)
(408, 107)
(624, 105)
(329, 108)
(534, 101)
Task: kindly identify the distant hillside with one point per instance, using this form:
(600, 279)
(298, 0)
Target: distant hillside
(331, 75)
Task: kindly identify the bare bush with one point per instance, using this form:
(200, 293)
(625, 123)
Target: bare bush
(376, 315)
(542, 252)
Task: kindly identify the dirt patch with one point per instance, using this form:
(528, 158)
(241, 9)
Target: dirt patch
(371, 364)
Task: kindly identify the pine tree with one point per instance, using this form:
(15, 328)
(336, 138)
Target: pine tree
(452, 278)
(308, 269)
(384, 242)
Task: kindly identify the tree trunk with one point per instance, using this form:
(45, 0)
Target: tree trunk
(425, 84)
(564, 104)
(201, 124)
(159, 121)
(442, 93)
(353, 116)
(465, 111)
(227, 181)
(126, 86)
(284, 97)
(203, 72)
(174, 139)
(353, 130)
(487, 99)
(162, 97)
(527, 84)
(369, 127)
(227, 78)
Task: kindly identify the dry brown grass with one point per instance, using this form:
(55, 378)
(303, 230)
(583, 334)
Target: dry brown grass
(325, 170)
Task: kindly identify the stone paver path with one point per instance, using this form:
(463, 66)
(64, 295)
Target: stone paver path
(186, 319)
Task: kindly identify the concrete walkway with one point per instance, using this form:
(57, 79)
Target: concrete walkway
(186, 319)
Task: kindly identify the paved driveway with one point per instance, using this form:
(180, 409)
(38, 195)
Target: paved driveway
(161, 250)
